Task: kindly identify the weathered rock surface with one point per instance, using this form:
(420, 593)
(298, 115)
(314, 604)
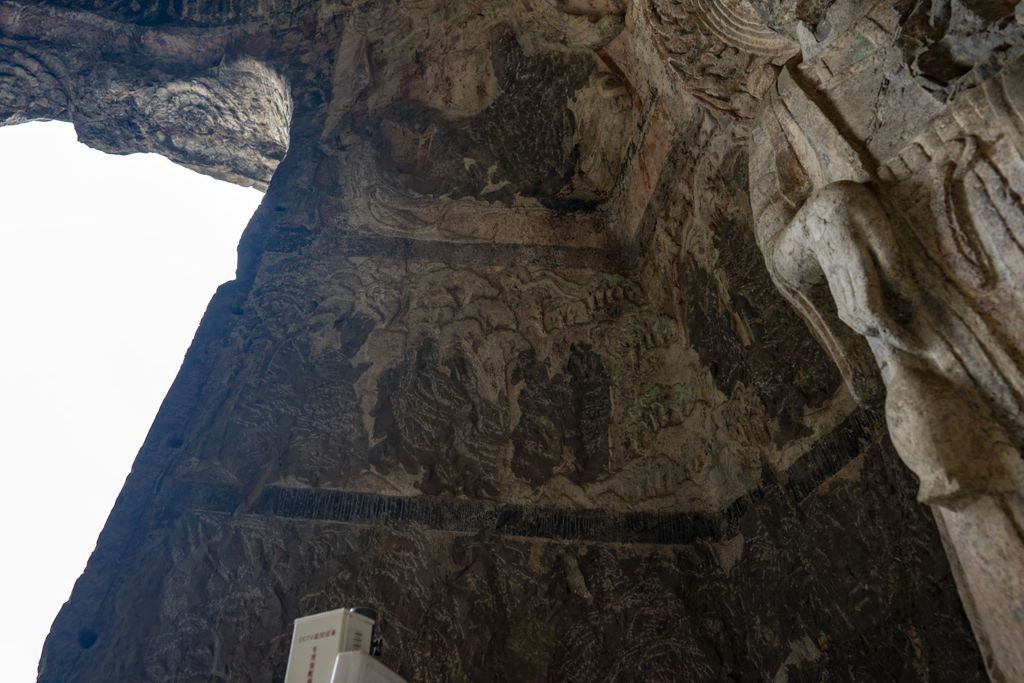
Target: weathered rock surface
(504, 358)
(798, 581)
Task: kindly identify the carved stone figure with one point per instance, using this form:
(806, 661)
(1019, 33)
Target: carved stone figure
(911, 261)
(851, 264)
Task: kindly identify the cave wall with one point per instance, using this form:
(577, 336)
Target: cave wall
(502, 358)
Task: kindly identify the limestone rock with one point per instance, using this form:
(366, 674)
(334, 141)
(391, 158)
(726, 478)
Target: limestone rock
(563, 332)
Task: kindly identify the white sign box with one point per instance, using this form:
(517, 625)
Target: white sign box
(318, 639)
(356, 667)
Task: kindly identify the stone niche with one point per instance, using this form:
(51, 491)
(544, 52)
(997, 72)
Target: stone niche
(584, 339)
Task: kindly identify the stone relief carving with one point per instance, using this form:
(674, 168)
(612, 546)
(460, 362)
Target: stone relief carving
(227, 117)
(951, 45)
(33, 84)
(429, 110)
(245, 104)
(420, 323)
(506, 383)
(724, 54)
(923, 264)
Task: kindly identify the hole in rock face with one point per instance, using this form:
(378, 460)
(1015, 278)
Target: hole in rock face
(108, 263)
(87, 638)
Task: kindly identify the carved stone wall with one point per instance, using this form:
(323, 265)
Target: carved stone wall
(886, 184)
(503, 357)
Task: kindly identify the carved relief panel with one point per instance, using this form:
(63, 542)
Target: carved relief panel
(911, 261)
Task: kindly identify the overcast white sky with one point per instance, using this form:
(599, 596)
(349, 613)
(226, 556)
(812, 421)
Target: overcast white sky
(106, 266)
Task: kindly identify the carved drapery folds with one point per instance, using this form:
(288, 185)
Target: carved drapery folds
(913, 262)
(901, 242)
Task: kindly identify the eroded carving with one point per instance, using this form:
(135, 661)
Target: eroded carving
(245, 104)
(432, 110)
(502, 332)
(33, 84)
(721, 49)
(850, 264)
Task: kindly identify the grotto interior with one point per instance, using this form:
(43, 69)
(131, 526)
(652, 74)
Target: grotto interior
(662, 340)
